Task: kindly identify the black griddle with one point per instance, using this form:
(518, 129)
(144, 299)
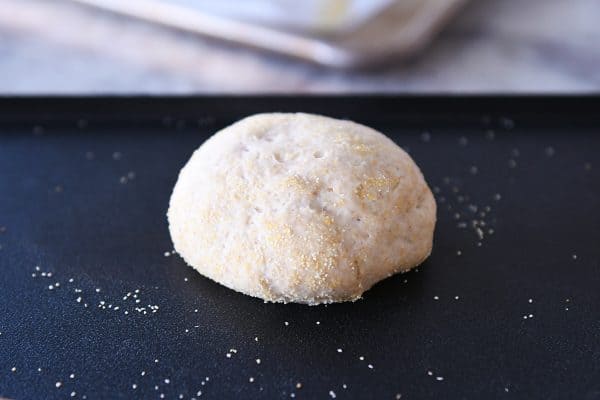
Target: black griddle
(515, 314)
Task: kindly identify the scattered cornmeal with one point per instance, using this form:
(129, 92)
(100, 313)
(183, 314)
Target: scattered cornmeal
(301, 208)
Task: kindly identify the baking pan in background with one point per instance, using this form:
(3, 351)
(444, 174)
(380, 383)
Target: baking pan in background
(335, 33)
(94, 305)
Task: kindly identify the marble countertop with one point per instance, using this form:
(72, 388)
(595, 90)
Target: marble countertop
(547, 46)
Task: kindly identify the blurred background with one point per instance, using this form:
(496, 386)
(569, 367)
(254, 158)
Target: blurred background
(311, 46)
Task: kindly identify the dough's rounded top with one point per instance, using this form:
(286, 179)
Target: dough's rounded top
(301, 208)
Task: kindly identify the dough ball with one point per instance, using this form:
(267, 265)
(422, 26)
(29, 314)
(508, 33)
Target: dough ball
(301, 208)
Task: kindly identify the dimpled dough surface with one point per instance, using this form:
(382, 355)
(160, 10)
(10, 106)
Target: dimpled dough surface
(301, 208)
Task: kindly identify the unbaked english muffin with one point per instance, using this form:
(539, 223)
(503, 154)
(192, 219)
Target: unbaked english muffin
(301, 208)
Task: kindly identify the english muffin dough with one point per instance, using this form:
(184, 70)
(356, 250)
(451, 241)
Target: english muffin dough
(301, 208)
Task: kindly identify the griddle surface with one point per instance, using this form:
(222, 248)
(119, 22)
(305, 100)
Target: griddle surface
(461, 326)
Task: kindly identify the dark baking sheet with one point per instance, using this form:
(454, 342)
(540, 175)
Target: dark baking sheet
(63, 208)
